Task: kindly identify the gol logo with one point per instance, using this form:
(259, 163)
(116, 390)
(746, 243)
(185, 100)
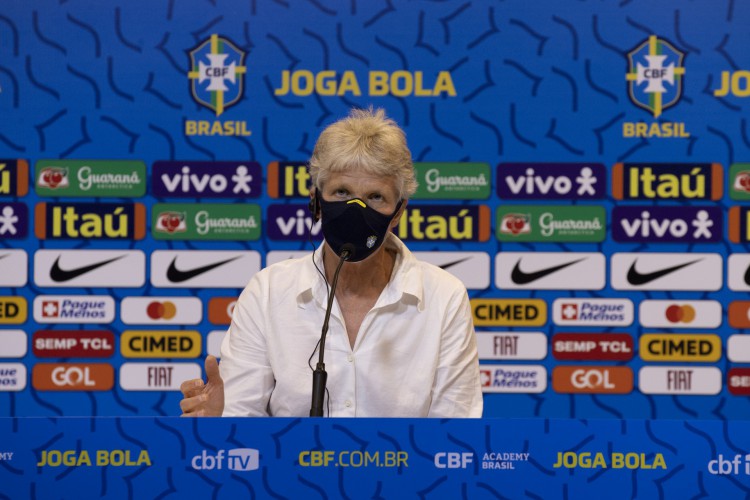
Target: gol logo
(220, 310)
(161, 310)
(73, 377)
(592, 379)
(680, 314)
(739, 314)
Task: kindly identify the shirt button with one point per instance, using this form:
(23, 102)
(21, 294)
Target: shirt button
(350, 358)
(348, 404)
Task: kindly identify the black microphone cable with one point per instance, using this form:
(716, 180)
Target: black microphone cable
(320, 377)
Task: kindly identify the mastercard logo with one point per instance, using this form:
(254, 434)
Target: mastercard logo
(680, 314)
(161, 310)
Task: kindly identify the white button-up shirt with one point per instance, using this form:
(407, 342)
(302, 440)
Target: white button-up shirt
(415, 354)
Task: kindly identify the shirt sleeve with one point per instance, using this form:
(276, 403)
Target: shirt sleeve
(457, 391)
(245, 368)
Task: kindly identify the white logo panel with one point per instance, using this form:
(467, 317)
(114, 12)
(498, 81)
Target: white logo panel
(680, 313)
(667, 271)
(512, 345)
(213, 342)
(738, 272)
(472, 268)
(203, 268)
(12, 377)
(550, 270)
(14, 268)
(738, 348)
(513, 378)
(13, 344)
(161, 310)
(96, 309)
(276, 256)
(90, 268)
(157, 376)
(680, 380)
(592, 312)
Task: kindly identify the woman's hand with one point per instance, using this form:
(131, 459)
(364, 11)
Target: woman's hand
(204, 399)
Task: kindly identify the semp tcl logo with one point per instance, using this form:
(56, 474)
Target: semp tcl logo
(241, 459)
(453, 460)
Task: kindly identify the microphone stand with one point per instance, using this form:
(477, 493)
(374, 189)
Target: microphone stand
(320, 376)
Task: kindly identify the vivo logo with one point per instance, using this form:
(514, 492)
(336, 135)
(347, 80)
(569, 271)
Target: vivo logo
(206, 179)
(667, 224)
(292, 222)
(551, 181)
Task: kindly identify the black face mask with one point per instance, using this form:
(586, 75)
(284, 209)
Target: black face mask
(353, 222)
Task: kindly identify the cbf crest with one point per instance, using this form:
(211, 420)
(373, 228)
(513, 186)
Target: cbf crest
(655, 72)
(217, 73)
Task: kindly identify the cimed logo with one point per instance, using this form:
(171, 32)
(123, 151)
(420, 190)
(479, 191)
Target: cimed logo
(217, 73)
(655, 74)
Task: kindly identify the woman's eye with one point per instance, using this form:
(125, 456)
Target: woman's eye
(376, 197)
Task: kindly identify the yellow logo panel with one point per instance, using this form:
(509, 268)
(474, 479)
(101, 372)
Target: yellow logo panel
(509, 312)
(13, 310)
(674, 347)
(160, 344)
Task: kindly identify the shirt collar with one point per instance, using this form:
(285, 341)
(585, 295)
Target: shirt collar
(406, 278)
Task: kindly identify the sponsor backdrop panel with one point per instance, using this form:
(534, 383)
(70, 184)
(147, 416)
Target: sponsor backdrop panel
(385, 458)
(583, 169)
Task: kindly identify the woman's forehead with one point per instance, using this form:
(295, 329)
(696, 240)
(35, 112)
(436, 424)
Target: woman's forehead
(361, 180)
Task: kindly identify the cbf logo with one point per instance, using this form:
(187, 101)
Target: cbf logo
(241, 459)
(655, 75)
(217, 73)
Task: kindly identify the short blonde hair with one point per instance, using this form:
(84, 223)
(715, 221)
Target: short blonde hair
(365, 141)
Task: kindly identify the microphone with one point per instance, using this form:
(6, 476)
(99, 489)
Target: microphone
(320, 376)
(347, 251)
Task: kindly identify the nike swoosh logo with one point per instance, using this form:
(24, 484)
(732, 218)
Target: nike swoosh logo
(521, 278)
(178, 275)
(747, 275)
(451, 264)
(636, 278)
(59, 275)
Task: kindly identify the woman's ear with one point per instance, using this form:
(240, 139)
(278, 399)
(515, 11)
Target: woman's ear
(314, 205)
(397, 218)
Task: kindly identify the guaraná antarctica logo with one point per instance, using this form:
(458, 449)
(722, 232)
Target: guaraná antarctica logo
(655, 71)
(217, 73)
